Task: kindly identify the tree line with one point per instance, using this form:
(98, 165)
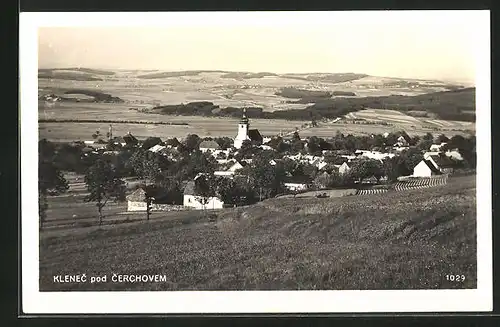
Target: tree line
(448, 105)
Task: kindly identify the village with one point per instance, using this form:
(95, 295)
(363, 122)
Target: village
(213, 173)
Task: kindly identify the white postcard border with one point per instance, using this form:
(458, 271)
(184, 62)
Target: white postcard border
(36, 302)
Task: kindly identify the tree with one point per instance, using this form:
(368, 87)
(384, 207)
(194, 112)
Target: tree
(148, 198)
(391, 139)
(279, 145)
(414, 140)
(192, 142)
(424, 144)
(314, 145)
(428, 137)
(442, 139)
(247, 150)
(366, 168)
(174, 142)
(104, 185)
(265, 179)
(297, 144)
(224, 142)
(50, 181)
(395, 167)
(204, 190)
(412, 157)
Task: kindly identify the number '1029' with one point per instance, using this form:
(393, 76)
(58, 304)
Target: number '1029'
(455, 278)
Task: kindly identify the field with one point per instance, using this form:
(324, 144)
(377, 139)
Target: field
(409, 122)
(212, 126)
(178, 87)
(354, 242)
(223, 89)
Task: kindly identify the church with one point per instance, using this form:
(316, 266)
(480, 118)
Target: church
(245, 133)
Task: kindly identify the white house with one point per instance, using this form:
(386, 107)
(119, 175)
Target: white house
(296, 186)
(401, 141)
(437, 147)
(226, 173)
(157, 148)
(237, 166)
(136, 201)
(425, 168)
(194, 201)
(321, 164)
(297, 183)
(377, 155)
(344, 168)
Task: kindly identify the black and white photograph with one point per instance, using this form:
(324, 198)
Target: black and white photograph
(256, 161)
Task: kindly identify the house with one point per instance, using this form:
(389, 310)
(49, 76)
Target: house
(297, 183)
(402, 141)
(266, 147)
(227, 173)
(209, 146)
(370, 180)
(425, 168)
(157, 148)
(442, 163)
(237, 166)
(344, 168)
(127, 139)
(377, 155)
(194, 201)
(321, 164)
(400, 148)
(161, 200)
(431, 153)
(437, 147)
(130, 139)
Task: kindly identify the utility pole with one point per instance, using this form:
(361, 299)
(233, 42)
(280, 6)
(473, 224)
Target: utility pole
(110, 131)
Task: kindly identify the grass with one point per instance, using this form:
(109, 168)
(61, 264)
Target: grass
(350, 243)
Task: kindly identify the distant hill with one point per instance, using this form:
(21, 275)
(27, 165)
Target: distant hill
(177, 74)
(78, 69)
(328, 78)
(448, 105)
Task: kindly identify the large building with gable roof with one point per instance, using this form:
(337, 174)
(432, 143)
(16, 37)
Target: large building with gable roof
(245, 133)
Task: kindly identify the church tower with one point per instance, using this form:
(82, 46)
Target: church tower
(243, 128)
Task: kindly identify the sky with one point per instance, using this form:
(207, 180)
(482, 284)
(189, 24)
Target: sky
(433, 46)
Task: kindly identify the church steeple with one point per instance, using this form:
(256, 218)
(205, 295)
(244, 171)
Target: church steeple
(243, 128)
(244, 119)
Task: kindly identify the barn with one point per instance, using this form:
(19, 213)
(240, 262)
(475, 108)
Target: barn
(425, 168)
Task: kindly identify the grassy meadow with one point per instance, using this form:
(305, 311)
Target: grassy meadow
(410, 240)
